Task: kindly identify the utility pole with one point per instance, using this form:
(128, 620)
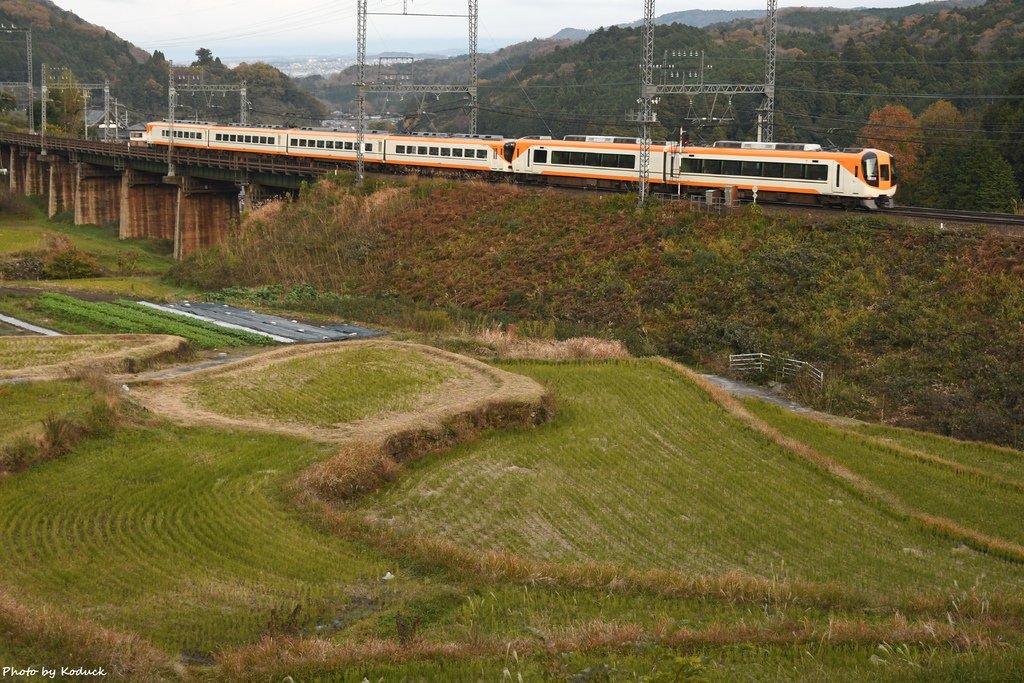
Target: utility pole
(171, 101)
(44, 95)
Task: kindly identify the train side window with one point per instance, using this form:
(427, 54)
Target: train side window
(457, 152)
(446, 152)
(369, 146)
(688, 165)
(481, 154)
(817, 172)
(751, 168)
(772, 169)
(330, 144)
(433, 151)
(421, 150)
(730, 167)
(793, 171)
(399, 149)
(320, 144)
(540, 156)
(713, 166)
(626, 161)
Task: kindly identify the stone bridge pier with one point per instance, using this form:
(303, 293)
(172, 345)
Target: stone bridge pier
(203, 212)
(97, 195)
(61, 185)
(148, 206)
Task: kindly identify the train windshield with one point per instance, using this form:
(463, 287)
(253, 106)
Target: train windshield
(870, 166)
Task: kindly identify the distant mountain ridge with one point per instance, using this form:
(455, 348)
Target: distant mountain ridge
(138, 79)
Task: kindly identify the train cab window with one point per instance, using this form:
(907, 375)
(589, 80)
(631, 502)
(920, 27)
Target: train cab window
(870, 168)
(421, 150)
(446, 152)
(883, 171)
(481, 154)
(540, 156)
(457, 152)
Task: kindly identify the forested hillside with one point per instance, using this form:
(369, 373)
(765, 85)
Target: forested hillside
(62, 40)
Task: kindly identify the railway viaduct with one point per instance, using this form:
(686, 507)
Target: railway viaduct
(107, 183)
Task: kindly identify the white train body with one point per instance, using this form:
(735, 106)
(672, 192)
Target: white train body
(775, 171)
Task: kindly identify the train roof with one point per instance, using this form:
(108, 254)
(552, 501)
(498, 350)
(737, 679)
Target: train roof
(782, 146)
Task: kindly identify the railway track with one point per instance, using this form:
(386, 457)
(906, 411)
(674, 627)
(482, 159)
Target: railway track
(959, 217)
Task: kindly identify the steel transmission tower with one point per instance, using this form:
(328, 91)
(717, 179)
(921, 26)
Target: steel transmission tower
(766, 130)
(362, 87)
(645, 115)
(649, 92)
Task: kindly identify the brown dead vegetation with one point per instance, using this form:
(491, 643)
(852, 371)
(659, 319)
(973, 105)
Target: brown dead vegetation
(274, 656)
(506, 343)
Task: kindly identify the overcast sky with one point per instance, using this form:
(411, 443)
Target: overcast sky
(263, 28)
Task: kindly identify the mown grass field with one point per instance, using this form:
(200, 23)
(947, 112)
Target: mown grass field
(641, 467)
(326, 389)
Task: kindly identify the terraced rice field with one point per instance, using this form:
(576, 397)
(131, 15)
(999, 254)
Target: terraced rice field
(325, 389)
(1003, 462)
(24, 405)
(641, 468)
(986, 505)
(178, 534)
(34, 357)
(24, 352)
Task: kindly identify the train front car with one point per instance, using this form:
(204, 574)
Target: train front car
(877, 178)
(784, 172)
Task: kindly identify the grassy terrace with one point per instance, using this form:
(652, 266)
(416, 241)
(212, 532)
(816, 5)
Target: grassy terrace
(640, 467)
(1003, 462)
(974, 501)
(22, 352)
(326, 389)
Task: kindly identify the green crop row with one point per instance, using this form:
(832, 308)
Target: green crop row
(125, 316)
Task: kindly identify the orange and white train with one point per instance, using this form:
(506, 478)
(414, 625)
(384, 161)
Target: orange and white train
(791, 172)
